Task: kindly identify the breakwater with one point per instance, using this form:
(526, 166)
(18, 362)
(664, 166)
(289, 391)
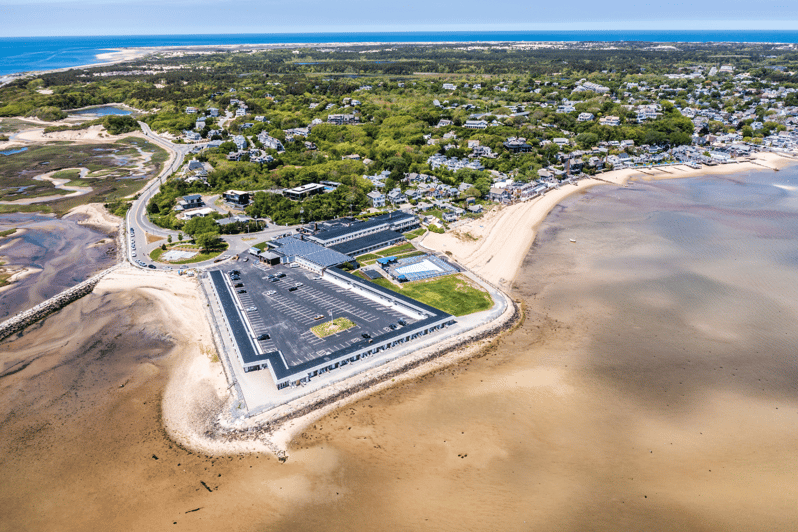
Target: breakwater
(28, 317)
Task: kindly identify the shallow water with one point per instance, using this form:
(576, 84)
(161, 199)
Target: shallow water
(64, 252)
(651, 387)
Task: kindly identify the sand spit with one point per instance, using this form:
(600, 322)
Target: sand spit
(495, 245)
(97, 216)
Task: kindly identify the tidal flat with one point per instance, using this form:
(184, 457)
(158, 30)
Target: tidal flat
(652, 386)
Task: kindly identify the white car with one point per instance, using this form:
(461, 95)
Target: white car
(134, 253)
(271, 292)
(252, 309)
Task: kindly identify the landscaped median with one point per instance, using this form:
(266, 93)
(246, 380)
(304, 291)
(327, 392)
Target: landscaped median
(456, 294)
(332, 327)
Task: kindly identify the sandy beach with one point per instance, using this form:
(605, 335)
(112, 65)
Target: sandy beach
(494, 246)
(639, 394)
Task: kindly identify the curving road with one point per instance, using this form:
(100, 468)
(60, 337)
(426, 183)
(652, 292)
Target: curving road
(138, 220)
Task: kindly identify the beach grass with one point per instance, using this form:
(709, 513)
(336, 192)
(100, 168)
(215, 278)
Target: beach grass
(70, 173)
(329, 328)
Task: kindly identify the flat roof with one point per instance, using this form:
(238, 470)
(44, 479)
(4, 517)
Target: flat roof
(311, 251)
(354, 246)
(293, 351)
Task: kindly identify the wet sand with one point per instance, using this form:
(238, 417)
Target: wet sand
(651, 387)
(59, 252)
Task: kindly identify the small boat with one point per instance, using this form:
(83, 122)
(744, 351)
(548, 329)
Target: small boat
(573, 240)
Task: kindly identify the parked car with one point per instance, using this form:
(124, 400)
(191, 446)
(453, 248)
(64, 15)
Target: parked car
(271, 292)
(242, 291)
(151, 266)
(292, 289)
(238, 285)
(264, 336)
(319, 317)
(366, 335)
(251, 309)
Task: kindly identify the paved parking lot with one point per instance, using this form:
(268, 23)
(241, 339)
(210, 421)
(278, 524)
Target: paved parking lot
(287, 316)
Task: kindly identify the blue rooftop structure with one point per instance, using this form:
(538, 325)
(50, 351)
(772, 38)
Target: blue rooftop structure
(292, 248)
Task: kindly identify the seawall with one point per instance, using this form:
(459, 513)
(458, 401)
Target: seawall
(42, 310)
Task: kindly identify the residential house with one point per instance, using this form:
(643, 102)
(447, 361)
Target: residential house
(237, 198)
(240, 141)
(475, 124)
(377, 199)
(343, 119)
(517, 145)
(192, 201)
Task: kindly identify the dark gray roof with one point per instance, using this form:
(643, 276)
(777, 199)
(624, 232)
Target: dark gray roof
(358, 245)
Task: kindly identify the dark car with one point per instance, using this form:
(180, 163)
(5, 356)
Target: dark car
(292, 288)
(280, 275)
(238, 285)
(264, 336)
(151, 266)
(402, 322)
(242, 291)
(273, 280)
(393, 326)
(366, 335)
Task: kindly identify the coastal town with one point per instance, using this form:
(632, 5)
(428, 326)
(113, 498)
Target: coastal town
(339, 177)
(401, 285)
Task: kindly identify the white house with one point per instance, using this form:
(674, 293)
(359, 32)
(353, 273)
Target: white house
(377, 199)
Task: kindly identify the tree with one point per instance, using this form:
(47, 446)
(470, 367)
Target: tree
(180, 236)
(208, 240)
(200, 224)
(169, 239)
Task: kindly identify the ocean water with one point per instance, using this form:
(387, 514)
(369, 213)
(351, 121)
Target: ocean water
(22, 54)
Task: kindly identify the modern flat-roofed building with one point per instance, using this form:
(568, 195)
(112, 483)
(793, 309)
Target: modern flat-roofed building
(304, 191)
(237, 197)
(288, 370)
(398, 221)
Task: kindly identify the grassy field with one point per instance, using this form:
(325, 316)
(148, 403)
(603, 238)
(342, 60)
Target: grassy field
(115, 165)
(71, 173)
(455, 294)
(332, 327)
(401, 250)
(415, 233)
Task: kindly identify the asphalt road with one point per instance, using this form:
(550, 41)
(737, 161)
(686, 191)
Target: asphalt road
(138, 220)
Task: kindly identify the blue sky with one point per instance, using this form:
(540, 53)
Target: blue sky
(143, 17)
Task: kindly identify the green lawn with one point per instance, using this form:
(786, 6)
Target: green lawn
(455, 294)
(332, 327)
(415, 233)
(200, 257)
